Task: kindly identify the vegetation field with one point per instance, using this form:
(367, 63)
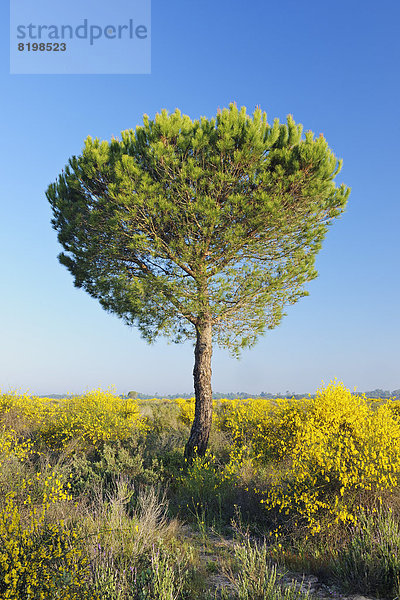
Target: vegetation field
(98, 502)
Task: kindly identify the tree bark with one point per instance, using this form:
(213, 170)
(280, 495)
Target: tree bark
(198, 439)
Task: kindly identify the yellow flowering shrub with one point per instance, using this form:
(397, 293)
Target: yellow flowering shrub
(24, 409)
(345, 446)
(265, 426)
(186, 410)
(96, 417)
(395, 407)
(11, 446)
(38, 559)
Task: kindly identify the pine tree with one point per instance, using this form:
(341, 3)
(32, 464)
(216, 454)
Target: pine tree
(198, 230)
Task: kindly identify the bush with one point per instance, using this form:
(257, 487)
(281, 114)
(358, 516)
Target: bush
(206, 486)
(268, 427)
(39, 558)
(94, 418)
(344, 455)
(371, 559)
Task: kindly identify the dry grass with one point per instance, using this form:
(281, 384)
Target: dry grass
(129, 521)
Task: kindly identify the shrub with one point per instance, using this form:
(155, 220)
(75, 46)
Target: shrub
(267, 427)
(38, 558)
(345, 449)
(88, 471)
(206, 484)
(186, 410)
(94, 418)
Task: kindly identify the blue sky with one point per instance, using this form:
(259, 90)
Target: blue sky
(335, 67)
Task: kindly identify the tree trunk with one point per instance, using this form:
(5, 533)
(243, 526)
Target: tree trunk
(198, 439)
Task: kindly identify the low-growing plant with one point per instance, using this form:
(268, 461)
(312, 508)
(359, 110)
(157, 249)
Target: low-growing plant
(96, 418)
(206, 485)
(129, 521)
(111, 579)
(89, 470)
(256, 578)
(371, 558)
(160, 580)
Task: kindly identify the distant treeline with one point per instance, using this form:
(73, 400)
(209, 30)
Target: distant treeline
(378, 393)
